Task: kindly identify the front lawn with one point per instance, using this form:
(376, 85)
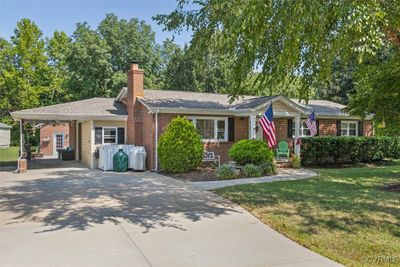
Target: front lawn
(8, 156)
(345, 214)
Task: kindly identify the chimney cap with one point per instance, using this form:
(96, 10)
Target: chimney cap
(136, 61)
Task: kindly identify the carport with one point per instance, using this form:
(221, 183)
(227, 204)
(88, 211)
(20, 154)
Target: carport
(84, 118)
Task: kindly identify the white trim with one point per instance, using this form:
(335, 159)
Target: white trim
(92, 144)
(156, 142)
(55, 133)
(66, 117)
(348, 128)
(297, 134)
(284, 99)
(216, 119)
(116, 134)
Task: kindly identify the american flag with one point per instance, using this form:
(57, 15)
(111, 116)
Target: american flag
(268, 126)
(312, 123)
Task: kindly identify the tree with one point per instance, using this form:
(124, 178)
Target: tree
(132, 40)
(25, 75)
(341, 84)
(89, 64)
(285, 38)
(58, 47)
(378, 91)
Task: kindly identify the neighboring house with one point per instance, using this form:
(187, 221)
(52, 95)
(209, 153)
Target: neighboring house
(137, 116)
(53, 137)
(5, 135)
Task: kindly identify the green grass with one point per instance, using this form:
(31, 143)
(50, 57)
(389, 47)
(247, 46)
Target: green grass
(342, 214)
(8, 156)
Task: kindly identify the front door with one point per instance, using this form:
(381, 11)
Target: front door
(58, 143)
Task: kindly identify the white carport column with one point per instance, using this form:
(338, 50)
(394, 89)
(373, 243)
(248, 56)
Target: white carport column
(297, 135)
(252, 132)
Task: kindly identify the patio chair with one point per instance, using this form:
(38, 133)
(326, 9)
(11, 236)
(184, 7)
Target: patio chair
(283, 149)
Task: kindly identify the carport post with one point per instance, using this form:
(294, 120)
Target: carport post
(21, 138)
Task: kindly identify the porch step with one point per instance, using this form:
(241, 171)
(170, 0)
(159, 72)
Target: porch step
(283, 163)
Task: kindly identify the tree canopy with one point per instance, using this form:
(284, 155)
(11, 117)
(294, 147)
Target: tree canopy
(283, 38)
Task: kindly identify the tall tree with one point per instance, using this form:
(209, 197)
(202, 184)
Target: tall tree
(89, 64)
(378, 91)
(58, 47)
(341, 83)
(284, 38)
(132, 40)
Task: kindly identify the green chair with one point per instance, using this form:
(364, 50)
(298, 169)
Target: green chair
(283, 149)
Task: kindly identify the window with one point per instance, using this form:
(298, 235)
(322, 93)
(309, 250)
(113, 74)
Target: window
(109, 135)
(211, 129)
(348, 128)
(304, 131)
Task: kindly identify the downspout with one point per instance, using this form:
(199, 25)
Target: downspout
(156, 142)
(20, 145)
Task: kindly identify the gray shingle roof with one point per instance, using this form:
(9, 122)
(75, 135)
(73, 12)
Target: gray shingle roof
(325, 108)
(4, 126)
(196, 100)
(94, 106)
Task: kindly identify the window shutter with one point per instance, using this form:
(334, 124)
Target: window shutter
(317, 124)
(338, 128)
(121, 136)
(290, 128)
(360, 128)
(98, 135)
(231, 129)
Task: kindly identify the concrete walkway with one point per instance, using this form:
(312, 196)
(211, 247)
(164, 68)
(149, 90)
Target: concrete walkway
(76, 217)
(283, 175)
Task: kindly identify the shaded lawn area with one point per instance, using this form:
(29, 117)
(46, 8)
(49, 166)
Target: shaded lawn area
(342, 214)
(8, 156)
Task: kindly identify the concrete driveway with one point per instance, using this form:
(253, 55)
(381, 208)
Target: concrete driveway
(75, 217)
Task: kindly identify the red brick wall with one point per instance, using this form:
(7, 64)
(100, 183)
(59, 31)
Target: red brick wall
(281, 127)
(48, 130)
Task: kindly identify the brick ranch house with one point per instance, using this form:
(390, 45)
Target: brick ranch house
(138, 116)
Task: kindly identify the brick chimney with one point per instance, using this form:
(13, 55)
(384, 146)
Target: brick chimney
(135, 90)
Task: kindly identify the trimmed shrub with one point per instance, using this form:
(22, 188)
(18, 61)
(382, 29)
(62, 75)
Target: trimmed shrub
(326, 150)
(226, 172)
(268, 168)
(251, 170)
(251, 152)
(180, 148)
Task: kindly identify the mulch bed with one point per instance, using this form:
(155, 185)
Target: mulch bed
(202, 174)
(391, 188)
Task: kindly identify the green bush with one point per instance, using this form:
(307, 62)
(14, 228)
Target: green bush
(251, 152)
(226, 172)
(180, 148)
(326, 150)
(251, 170)
(268, 168)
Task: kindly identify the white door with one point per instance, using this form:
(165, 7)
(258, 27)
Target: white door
(58, 143)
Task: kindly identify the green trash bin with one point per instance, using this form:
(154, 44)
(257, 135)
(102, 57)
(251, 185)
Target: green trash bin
(120, 161)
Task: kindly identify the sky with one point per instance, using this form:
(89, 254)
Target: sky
(62, 15)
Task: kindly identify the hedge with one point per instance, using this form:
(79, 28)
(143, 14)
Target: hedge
(326, 150)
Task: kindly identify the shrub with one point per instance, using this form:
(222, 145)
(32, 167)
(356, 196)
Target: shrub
(327, 150)
(226, 172)
(251, 152)
(251, 170)
(268, 168)
(296, 161)
(180, 148)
